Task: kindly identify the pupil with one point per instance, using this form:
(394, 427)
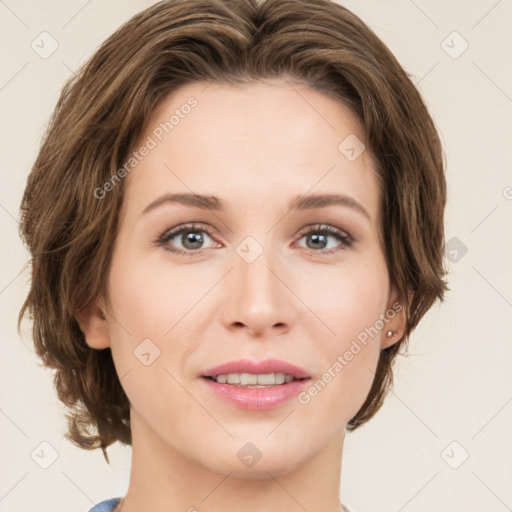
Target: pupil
(317, 237)
(192, 237)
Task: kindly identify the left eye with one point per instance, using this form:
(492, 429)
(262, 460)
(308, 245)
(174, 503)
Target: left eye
(320, 233)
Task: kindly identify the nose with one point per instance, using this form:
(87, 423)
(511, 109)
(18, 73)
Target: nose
(258, 298)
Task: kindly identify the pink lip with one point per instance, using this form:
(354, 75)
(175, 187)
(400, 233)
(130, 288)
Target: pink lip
(248, 366)
(257, 398)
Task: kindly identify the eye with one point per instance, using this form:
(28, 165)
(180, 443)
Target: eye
(317, 238)
(191, 237)
(188, 235)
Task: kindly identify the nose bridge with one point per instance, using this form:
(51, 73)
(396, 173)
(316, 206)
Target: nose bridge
(257, 297)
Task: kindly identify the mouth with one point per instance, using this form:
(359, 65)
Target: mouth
(246, 373)
(256, 386)
(252, 380)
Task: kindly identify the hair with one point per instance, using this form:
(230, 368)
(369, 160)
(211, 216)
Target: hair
(102, 112)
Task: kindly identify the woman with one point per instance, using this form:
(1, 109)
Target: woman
(235, 221)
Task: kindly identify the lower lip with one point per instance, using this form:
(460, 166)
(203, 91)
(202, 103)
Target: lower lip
(257, 398)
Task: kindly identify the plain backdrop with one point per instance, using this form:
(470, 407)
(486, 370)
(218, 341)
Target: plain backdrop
(442, 440)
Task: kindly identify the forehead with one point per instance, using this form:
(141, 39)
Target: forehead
(264, 141)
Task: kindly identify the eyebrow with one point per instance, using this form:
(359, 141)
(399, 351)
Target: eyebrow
(308, 202)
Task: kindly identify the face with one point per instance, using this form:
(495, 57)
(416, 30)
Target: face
(254, 279)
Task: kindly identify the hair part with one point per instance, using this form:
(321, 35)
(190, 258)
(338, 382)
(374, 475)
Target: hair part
(103, 111)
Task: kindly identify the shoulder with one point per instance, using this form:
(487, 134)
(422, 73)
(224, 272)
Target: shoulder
(105, 506)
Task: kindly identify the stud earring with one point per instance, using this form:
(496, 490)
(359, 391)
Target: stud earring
(389, 334)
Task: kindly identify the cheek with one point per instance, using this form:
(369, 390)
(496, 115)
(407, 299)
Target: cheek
(349, 304)
(145, 308)
(346, 299)
(148, 299)
(154, 304)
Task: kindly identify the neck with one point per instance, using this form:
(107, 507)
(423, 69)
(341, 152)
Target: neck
(164, 479)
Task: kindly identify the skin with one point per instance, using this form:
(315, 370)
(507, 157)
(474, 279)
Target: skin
(290, 303)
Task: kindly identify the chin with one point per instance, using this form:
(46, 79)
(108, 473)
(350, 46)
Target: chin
(276, 465)
(262, 471)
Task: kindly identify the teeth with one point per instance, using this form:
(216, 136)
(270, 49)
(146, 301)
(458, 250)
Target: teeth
(233, 378)
(248, 378)
(253, 380)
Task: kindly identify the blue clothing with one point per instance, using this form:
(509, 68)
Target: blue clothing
(105, 506)
(108, 505)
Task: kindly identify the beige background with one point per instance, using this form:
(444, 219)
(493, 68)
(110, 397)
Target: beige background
(452, 397)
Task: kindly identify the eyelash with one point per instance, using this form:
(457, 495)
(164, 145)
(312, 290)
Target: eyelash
(163, 240)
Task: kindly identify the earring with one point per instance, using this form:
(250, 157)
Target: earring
(103, 316)
(389, 334)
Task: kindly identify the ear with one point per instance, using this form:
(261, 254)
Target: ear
(396, 319)
(93, 323)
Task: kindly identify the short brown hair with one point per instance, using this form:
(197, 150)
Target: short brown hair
(104, 109)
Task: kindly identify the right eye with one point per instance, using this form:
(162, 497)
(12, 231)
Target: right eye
(189, 235)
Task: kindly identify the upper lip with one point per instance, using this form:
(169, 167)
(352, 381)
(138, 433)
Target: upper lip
(257, 367)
